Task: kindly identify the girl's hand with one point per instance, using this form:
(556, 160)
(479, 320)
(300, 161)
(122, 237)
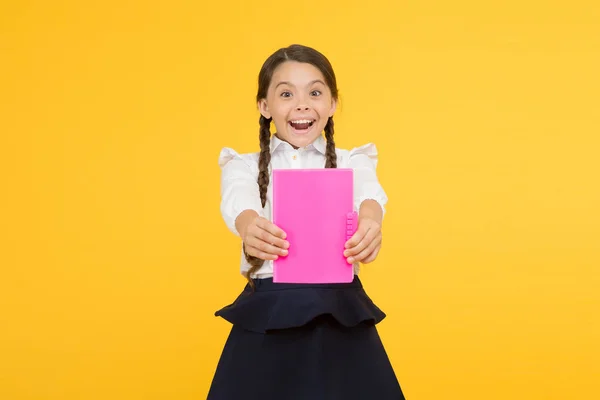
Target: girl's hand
(262, 238)
(365, 244)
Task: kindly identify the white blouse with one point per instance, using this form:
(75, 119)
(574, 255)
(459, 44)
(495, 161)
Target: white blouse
(239, 187)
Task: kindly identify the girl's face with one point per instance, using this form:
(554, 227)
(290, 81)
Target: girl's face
(299, 101)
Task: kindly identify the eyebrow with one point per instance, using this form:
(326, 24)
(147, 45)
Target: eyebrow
(309, 83)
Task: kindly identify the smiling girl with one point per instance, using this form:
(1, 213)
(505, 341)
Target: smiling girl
(300, 341)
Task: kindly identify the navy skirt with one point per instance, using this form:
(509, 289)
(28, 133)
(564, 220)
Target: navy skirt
(304, 342)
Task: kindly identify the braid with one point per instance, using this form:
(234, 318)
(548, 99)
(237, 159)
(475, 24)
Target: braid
(264, 158)
(331, 157)
(263, 182)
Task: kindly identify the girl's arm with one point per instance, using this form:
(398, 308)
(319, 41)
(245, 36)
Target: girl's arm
(370, 200)
(371, 209)
(239, 189)
(261, 237)
(365, 245)
(241, 208)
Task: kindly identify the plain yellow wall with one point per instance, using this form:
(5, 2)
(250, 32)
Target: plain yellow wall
(114, 254)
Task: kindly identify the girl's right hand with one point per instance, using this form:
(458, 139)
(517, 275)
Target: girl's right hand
(263, 239)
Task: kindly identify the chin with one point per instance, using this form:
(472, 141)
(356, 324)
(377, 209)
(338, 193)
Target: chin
(301, 139)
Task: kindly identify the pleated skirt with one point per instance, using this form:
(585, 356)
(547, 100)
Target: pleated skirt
(304, 342)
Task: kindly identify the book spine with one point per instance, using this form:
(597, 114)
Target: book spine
(351, 224)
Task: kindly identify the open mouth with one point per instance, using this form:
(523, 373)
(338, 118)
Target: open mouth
(301, 125)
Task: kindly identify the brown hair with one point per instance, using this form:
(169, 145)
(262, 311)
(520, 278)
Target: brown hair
(301, 54)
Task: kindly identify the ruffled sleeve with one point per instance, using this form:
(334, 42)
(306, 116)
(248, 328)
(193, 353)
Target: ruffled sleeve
(239, 189)
(363, 160)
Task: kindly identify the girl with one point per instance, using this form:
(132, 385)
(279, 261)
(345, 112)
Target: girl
(299, 341)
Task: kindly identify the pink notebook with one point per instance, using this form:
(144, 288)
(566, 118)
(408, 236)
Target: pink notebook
(315, 207)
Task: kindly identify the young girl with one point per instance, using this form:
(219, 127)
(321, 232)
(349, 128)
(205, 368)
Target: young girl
(300, 341)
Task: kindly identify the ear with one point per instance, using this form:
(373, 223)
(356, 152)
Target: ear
(264, 108)
(333, 107)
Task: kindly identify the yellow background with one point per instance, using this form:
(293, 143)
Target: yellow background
(114, 255)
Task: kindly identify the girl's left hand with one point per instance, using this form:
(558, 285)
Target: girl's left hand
(365, 244)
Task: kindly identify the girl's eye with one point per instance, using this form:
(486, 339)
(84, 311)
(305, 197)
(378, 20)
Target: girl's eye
(285, 94)
(315, 93)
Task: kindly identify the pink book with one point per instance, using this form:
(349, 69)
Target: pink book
(315, 207)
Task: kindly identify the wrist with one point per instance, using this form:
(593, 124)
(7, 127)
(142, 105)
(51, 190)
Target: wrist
(372, 210)
(243, 220)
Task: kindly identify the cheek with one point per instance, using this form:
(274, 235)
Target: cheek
(324, 111)
(279, 115)
(324, 108)
(280, 112)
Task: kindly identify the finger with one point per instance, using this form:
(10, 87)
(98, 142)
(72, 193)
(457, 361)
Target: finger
(272, 240)
(265, 247)
(366, 251)
(271, 228)
(357, 237)
(371, 257)
(363, 244)
(266, 236)
(255, 252)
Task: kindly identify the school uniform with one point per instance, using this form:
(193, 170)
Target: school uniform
(300, 341)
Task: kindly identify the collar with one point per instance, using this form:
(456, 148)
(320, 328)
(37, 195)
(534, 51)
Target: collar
(319, 144)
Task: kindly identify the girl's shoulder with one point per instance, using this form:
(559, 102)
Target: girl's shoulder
(366, 151)
(228, 155)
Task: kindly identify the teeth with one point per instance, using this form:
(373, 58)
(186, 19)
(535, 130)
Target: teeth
(301, 121)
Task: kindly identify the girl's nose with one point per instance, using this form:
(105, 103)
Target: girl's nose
(302, 108)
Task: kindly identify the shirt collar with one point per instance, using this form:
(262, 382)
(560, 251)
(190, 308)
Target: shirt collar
(319, 144)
